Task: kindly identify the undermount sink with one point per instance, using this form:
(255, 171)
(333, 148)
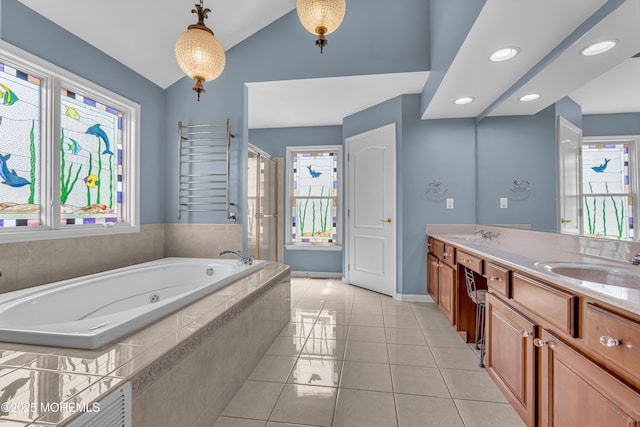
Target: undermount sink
(605, 274)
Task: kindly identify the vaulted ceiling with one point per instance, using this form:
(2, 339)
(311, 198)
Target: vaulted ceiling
(548, 33)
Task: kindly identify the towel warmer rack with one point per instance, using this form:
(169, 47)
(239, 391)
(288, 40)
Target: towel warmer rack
(204, 168)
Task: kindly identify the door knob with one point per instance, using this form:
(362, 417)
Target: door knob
(388, 220)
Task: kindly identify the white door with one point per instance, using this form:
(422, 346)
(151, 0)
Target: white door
(569, 141)
(371, 210)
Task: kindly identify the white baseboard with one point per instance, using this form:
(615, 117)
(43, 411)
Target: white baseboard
(413, 298)
(316, 275)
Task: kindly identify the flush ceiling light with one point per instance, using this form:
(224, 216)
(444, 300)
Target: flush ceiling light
(464, 100)
(199, 54)
(598, 48)
(321, 17)
(504, 54)
(529, 97)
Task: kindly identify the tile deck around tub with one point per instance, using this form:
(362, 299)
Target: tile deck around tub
(34, 375)
(350, 357)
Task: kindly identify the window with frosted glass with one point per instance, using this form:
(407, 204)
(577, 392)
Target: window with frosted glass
(608, 200)
(91, 167)
(19, 148)
(314, 196)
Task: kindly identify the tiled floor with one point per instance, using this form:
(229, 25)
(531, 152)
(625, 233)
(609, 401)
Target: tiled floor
(352, 358)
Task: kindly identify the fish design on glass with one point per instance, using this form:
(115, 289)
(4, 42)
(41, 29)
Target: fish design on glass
(96, 131)
(10, 178)
(8, 96)
(91, 180)
(313, 173)
(602, 167)
(72, 113)
(74, 147)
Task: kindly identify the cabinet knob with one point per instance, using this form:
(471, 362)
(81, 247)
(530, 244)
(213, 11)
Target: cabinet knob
(525, 334)
(608, 341)
(435, 264)
(445, 254)
(495, 279)
(539, 343)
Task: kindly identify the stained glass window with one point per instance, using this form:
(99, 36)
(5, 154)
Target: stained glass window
(19, 148)
(314, 195)
(91, 166)
(607, 193)
(68, 153)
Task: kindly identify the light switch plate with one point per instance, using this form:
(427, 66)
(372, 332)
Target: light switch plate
(449, 203)
(504, 203)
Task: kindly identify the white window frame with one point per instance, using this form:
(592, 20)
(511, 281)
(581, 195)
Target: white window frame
(334, 246)
(53, 79)
(633, 141)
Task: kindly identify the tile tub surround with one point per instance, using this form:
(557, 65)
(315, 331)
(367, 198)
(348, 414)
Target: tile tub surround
(27, 264)
(201, 353)
(521, 249)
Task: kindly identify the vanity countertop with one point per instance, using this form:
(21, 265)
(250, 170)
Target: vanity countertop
(522, 250)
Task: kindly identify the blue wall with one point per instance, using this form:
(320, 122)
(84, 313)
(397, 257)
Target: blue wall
(364, 44)
(442, 149)
(27, 30)
(518, 147)
(449, 24)
(275, 142)
(611, 124)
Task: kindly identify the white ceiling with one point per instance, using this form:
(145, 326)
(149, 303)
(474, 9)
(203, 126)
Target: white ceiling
(536, 27)
(612, 92)
(150, 28)
(324, 102)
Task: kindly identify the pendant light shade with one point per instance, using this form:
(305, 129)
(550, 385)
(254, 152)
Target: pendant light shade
(321, 17)
(199, 54)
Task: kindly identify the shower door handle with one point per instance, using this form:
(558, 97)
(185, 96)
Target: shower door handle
(259, 215)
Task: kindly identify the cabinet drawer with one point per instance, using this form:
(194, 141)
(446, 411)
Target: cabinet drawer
(498, 279)
(559, 308)
(470, 261)
(437, 248)
(449, 255)
(614, 337)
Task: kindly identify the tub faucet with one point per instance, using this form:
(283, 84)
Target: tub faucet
(246, 259)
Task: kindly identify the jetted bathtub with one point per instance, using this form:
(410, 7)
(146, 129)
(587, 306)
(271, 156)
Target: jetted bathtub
(90, 311)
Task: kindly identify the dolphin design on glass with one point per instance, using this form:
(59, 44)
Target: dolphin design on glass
(10, 178)
(313, 173)
(602, 167)
(96, 131)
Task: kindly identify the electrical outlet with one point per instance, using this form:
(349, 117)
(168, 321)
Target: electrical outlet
(504, 203)
(449, 203)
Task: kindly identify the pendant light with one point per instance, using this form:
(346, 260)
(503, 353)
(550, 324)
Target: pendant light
(321, 17)
(199, 54)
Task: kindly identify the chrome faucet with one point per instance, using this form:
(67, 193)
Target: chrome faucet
(484, 234)
(246, 259)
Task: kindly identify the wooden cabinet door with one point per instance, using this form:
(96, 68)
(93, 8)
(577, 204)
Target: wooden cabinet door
(511, 356)
(432, 277)
(577, 392)
(447, 291)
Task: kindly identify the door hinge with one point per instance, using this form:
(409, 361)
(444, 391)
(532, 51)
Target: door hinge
(348, 157)
(348, 267)
(348, 212)
(580, 212)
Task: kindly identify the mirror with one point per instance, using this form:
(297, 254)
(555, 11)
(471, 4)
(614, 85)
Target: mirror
(543, 148)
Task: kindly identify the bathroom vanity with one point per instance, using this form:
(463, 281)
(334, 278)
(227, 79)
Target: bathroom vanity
(562, 320)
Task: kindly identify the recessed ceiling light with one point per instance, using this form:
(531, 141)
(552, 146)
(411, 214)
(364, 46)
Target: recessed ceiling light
(464, 100)
(598, 48)
(504, 54)
(529, 97)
